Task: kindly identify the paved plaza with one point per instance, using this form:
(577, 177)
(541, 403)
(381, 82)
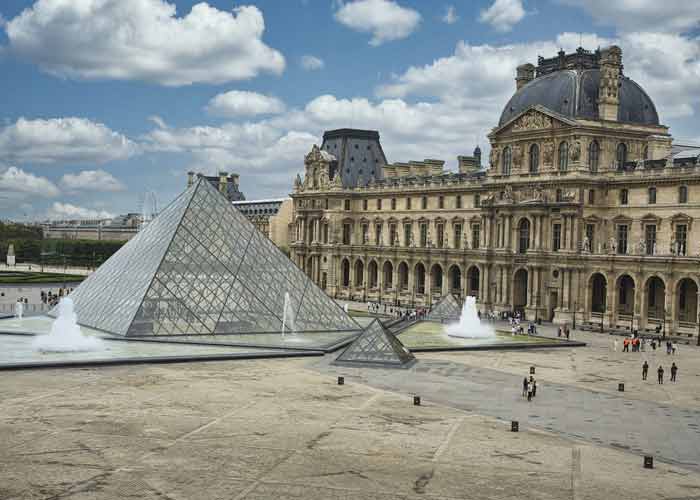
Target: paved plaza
(283, 429)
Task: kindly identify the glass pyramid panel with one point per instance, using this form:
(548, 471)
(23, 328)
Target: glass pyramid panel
(448, 308)
(377, 346)
(109, 297)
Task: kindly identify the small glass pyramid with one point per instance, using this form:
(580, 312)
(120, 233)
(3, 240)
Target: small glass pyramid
(376, 346)
(201, 267)
(448, 308)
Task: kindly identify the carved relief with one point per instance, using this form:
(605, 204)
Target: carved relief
(548, 152)
(532, 120)
(517, 156)
(575, 151)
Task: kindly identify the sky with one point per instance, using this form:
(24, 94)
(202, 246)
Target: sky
(104, 101)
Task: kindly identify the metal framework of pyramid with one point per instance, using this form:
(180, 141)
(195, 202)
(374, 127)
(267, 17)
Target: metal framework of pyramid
(376, 346)
(448, 308)
(202, 268)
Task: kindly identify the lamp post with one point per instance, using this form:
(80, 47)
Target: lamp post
(698, 320)
(574, 322)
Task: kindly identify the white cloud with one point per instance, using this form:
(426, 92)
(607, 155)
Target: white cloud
(643, 15)
(503, 14)
(16, 184)
(143, 40)
(68, 211)
(158, 121)
(91, 180)
(309, 62)
(384, 19)
(65, 140)
(244, 103)
(450, 16)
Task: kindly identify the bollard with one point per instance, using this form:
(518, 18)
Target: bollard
(648, 462)
(621, 387)
(416, 400)
(532, 370)
(514, 426)
(341, 380)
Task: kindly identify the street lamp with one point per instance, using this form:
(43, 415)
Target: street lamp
(574, 322)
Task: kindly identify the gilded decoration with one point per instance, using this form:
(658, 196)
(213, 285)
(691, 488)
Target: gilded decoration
(532, 120)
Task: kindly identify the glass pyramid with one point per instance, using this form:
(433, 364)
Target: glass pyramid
(201, 267)
(376, 346)
(448, 308)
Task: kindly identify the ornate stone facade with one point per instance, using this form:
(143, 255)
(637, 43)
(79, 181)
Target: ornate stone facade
(592, 218)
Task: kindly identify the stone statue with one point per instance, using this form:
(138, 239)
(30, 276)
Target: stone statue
(538, 193)
(673, 246)
(466, 242)
(508, 195)
(642, 246)
(493, 158)
(298, 183)
(613, 245)
(575, 151)
(586, 244)
(568, 196)
(548, 152)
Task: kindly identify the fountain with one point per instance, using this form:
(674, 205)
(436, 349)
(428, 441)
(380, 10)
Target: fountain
(65, 334)
(469, 324)
(287, 315)
(19, 309)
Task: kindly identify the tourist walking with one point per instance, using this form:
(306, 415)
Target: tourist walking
(660, 372)
(674, 346)
(530, 389)
(525, 384)
(534, 386)
(645, 370)
(674, 370)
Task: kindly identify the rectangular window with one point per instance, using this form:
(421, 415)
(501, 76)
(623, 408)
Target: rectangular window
(379, 204)
(364, 204)
(476, 236)
(440, 228)
(650, 238)
(458, 201)
(393, 238)
(458, 236)
(591, 196)
(378, 234)
(393, 203)
(441, 202)
(347, 228)
(424, 202)
(365, 234)
(326, 203)
(681, 239)
(424, 235)
(408, 203)
(624, 197)
(477, 200)
(622, 231)
(325, 233)
(407, 229)
(347, 204)
(652, 196)
(683, 194)
(590, 234)
(556, 237)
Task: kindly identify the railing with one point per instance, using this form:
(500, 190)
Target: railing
(27, 310)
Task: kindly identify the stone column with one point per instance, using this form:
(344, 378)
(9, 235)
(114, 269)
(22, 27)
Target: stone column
(610, 303)
(565, 282)
(639, 294)
(485, 291)
(530, 283)
(509, 232)
(670, 304)
(564, 232)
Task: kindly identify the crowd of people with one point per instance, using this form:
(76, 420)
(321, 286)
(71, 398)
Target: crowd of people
(635, 343)
(412, 314)
(51, 298)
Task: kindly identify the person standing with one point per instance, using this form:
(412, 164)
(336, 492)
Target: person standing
(525, 385)
(660, 373)
(534, 386)
(645, 370)
(674, 370)
(530, 389)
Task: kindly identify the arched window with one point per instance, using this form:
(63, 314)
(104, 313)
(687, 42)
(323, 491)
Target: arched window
(507, 158)
(683, 194)
(621, 155)
(534, 158)
(563, 156)
(593, 156)
(346, 272)
(524, 236)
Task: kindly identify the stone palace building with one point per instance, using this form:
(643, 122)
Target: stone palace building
(586, 208)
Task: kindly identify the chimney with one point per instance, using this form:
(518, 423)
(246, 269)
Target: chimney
(609, 87)
(467, 164)
(234, 179)
(222, 182)
(190, 178)
(523, 74)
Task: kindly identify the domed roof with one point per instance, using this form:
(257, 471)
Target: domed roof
(574, 93)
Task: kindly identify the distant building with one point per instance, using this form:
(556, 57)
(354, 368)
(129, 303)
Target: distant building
(271, 217)
(120, 228)
(226, 184)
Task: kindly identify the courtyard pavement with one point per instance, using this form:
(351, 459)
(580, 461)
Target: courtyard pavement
(283, 429)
